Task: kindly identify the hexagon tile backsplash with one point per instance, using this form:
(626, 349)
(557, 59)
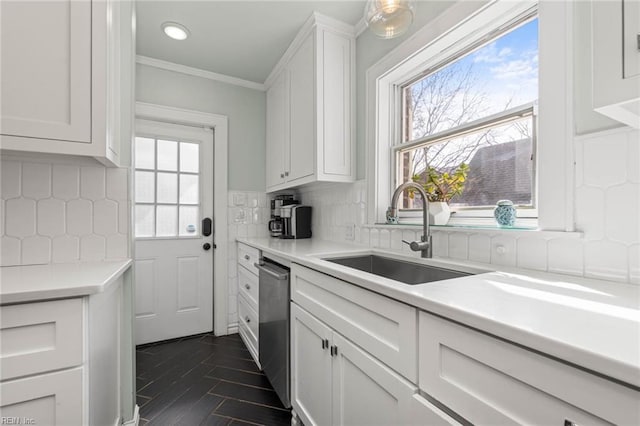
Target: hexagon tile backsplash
(54, 212)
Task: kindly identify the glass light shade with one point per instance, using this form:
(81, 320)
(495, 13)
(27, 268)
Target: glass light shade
(175, 30)
(389, 18)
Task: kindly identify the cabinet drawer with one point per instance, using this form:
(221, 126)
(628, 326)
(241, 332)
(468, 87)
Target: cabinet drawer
(47, 399)
(39, 337)
(248, 287)
(247, 257)
(383, 327)
(248, 326)
(489, 381)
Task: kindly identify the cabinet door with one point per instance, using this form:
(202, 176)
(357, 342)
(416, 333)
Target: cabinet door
(48, 399)
(276, 131)
(616, 65)
(46, 69)
(366, 392)
(335, 133)
(310, 368)
(301, 106)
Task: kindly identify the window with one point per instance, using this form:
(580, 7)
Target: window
(477, 108)
(167, 188)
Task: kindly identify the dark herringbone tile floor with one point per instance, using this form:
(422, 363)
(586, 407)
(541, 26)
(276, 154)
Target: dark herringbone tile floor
(204, 380)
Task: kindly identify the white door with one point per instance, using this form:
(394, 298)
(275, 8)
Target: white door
(173, 195)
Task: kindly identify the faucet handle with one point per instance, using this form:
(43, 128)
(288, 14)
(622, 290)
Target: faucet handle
(406, 242)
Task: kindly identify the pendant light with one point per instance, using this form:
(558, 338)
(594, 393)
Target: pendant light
(389, 18)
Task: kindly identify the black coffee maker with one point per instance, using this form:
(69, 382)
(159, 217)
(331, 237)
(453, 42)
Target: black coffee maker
(276, 224)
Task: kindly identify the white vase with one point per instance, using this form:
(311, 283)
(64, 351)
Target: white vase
(439, 213)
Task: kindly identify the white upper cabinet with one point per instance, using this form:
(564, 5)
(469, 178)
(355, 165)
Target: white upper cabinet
(310, 117)
(616, 60)
(276, 131)
(66, 76)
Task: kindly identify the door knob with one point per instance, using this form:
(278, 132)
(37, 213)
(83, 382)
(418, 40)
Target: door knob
(206, 246)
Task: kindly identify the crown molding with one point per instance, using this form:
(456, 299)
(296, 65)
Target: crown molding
(197, 72)
(361, 27)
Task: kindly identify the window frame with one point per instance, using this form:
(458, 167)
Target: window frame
(528, 109)
(468, 23)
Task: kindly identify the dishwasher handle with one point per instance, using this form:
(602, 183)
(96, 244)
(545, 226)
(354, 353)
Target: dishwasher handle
(262, 267)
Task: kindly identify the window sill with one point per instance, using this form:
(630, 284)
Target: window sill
(481, 229)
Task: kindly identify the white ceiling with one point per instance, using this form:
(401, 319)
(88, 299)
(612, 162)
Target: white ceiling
(242, 39)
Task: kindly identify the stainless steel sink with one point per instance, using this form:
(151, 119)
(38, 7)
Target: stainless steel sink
(399, 270)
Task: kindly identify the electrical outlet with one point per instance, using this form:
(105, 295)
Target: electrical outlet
(350, 231)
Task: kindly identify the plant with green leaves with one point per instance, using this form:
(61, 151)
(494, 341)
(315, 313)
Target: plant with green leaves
(442, 186)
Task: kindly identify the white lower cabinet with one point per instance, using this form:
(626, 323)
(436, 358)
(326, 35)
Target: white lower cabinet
(62, 360)
(360, 358)
(47, 399)
(334, 382)
(489, 381)
(248, 299)
(310, 368)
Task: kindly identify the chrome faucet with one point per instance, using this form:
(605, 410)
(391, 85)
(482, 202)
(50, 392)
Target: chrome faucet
(424, 245)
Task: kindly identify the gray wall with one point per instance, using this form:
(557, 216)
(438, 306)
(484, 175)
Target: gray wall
(245, 109)
(369, 50)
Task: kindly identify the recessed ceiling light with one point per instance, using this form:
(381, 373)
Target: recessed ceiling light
(175, 31)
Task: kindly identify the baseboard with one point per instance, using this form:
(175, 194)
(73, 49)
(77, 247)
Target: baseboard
(136, 417)
(232, 328)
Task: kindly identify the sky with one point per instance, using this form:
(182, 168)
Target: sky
(504, 70)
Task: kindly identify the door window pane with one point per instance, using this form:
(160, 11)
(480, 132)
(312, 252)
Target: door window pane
(189, 189)
(145, 187)
(167, 155)
(189, 157)
(166, 221)
(188, 220)
(167, 188)
(145, 221)
(167, 201)
(145, 153)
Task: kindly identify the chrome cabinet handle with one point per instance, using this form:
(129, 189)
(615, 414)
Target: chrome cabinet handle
(247, 257)
(247, 286)
(325, 343)
(568, 422)
(247, 319)
(281, 175)
(286, 173)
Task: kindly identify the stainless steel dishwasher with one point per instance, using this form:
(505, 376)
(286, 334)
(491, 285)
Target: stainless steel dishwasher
(273, 324)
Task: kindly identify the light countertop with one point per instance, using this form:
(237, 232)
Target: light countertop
(590, 323)
(59, 280)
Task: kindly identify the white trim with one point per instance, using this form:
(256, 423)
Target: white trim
(221, 187)
(197, 72)
(136, 417)
(555, 117)
(232, 328)
(361, 26)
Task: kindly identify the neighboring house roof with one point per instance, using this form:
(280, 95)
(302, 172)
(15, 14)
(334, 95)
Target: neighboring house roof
(496, 172)
(499, 172)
